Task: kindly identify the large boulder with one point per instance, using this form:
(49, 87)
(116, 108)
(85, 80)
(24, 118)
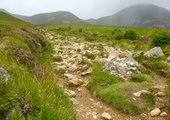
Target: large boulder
(154, 52)
(123, 67)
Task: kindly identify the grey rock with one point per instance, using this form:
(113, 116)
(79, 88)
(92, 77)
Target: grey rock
(106, 116)
(4, 76)
(121, 66)
(155, 112)
(154, 52)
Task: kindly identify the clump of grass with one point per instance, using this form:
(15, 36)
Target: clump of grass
(90, 55)
(57, 59)
(153, 64)
(141, 78)
(60, 71)
(115, 96)
(113, 90)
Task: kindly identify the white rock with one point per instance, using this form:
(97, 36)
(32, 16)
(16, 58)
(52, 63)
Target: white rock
(74, 101)
(70, 93)
(155, 112)
(163, 114)
(69, 76)
(137, 94)
(95, 117)
(89, 71)
(106, 116)
(161, 94)
(76, 82)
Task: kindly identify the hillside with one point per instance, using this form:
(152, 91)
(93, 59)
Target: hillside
(60, 16)
(143, 15)
(26, 75)
(7, 17)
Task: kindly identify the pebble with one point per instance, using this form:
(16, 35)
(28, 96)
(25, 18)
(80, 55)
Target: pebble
(161, 94)
(155, 112)
(74, 101)
(163, 114)
(106, 116)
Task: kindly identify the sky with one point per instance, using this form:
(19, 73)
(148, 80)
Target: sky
(84, 9)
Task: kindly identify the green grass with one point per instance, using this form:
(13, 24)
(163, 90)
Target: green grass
(114, 91)
(27, 57)
(57, 58)
(141, 78)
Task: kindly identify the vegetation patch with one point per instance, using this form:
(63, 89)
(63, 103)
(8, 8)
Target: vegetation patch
(32, 91)
(111, 89)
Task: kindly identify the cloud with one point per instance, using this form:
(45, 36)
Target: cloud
(82, 8)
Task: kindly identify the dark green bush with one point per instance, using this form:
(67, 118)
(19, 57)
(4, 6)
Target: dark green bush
(160, 38)
(117, 34)
(80, 30)
(130, 34)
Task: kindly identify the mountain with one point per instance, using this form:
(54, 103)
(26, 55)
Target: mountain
(143, 15)
(60, 16)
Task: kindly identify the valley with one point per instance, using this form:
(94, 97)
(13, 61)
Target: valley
(71, 71)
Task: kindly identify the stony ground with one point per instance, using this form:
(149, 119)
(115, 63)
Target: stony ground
(77, 59)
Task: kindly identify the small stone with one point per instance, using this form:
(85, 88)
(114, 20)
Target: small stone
(106, 116)
(95, 117)
(79, 89)
(163, 114)
(70, 93)
(74, 101)
(137, 94)
(159, 88)
(69, 76)
(89, 71)
(88, 113)
(76, 82)
(161, 94)
(143, 115)
(155, 112)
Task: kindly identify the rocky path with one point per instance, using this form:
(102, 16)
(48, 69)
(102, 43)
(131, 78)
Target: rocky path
(77, 59)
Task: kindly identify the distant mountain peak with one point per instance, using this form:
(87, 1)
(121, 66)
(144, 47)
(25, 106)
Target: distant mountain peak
(140, 15)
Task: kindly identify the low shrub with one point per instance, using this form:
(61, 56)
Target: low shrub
(160, 38)
(130, 34)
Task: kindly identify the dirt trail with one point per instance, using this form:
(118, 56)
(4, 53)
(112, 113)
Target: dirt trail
(87, 106)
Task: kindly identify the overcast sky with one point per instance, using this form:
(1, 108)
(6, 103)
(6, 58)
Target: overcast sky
(84, 9)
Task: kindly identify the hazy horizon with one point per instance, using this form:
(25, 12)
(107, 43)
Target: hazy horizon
(84, 9)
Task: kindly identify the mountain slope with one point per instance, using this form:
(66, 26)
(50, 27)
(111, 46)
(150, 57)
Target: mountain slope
(143, 15)
(60, 16)
(7, 17)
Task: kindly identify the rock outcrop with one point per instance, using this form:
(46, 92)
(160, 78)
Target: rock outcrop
(123, 67)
